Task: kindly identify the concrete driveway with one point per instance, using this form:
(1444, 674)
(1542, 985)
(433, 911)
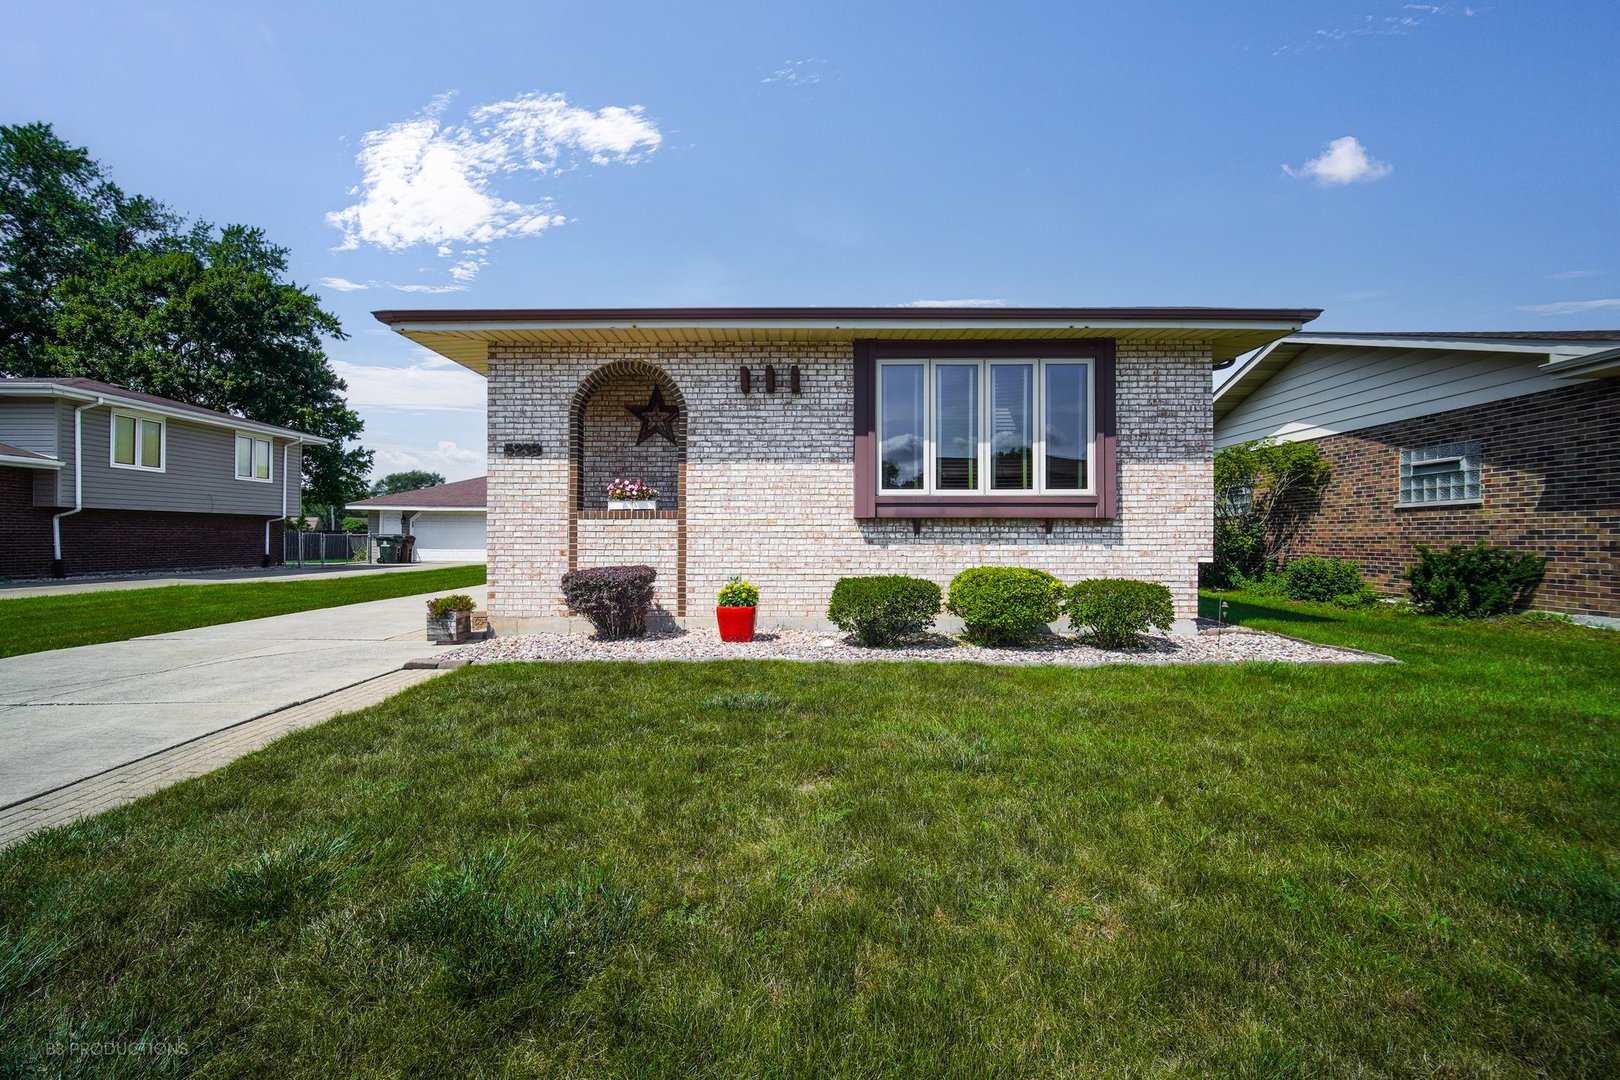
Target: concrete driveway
(73, 713)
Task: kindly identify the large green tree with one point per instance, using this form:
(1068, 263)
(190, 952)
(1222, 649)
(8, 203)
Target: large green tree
(100, 285)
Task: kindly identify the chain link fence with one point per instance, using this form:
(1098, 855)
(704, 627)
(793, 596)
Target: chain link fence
(324, 548)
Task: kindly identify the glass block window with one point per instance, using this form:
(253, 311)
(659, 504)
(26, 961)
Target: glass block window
(1440, 474)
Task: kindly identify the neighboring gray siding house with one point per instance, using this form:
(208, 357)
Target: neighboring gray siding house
(95, 478)
(1510, 437)
(796, 446)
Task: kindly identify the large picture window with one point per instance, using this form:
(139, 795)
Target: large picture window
(989, 427)
(137, 442)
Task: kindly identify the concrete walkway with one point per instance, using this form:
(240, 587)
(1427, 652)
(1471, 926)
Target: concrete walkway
(73, 713)
(37, 587)
(126, 783)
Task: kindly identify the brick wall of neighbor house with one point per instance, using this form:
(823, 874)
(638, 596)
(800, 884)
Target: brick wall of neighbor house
(128, 541)
(770, 484)
(25, 529)
(1549, 478)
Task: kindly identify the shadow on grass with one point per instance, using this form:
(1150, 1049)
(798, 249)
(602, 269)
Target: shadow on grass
(1249, 609)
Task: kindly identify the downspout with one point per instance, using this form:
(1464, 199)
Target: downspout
(271, 521)
(57, 569)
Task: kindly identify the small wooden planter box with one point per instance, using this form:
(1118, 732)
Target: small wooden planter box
(453, 629)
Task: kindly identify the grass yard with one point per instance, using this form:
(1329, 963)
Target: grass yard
(38, 623)
(790, 869)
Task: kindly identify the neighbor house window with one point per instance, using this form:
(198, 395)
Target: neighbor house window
(988, 427)
(1436, 475)
(137, 442)
(252, 458)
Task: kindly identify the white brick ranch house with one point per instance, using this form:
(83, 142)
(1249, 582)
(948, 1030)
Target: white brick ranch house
(795, 446)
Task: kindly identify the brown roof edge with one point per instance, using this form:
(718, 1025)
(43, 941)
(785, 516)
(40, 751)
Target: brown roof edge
(456, 495)
(898, 314)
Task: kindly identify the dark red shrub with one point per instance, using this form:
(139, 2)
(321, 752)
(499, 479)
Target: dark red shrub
(614, 598)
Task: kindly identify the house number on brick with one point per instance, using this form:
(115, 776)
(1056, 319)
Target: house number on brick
(523, 449)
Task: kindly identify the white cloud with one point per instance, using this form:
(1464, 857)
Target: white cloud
(971, 302)
(1573, 307)
(1345, 161)
(448, 458)
(1410, 17)
(424, 385)
(421, 288)
(805, 72)
(1568, 275)
(343, 284)
(426, 181)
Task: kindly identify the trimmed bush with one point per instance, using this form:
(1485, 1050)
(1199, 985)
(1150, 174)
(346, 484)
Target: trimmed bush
(1112, 611)
(1003, 604)
(614, 598)
(1471, 581)
(441, 606)
(1313, 577)
(883, 610)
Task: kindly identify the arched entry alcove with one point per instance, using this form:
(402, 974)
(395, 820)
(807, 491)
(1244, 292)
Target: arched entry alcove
(628, 420)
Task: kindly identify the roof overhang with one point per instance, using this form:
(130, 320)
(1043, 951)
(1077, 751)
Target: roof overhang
(47, 388)
(416, 509)
(29, 461)
(466, 336)
(1564, 358)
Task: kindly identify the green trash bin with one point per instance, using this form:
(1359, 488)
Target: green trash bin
(388, 547)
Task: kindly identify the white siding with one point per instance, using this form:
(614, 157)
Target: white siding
(1329, 389)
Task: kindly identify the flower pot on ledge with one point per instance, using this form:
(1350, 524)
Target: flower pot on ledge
(736, 623)
(632, 504)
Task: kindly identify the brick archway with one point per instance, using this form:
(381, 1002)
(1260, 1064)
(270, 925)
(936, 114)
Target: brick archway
(607, 376)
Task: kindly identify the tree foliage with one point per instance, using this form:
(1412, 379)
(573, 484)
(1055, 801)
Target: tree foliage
(1263, 491)
(97, 284)
(409, 480)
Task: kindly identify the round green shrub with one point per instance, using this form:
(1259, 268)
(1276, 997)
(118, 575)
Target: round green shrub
(1112, 611)
(883, 610)
(1471, 581)
(1003, 604)
(1323, 580)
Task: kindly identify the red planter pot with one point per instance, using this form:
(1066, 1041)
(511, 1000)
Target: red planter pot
(736, 623)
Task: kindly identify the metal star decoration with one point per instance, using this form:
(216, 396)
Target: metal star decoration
(656, 417)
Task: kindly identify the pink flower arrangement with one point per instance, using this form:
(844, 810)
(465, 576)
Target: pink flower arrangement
(631, 489)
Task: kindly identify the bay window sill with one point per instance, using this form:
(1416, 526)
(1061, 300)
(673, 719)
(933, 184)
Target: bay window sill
(1026, 507)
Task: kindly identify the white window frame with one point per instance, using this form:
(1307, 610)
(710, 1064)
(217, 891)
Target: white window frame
(928, 491)
(138, 418)
(270, 455)
(1467, 457)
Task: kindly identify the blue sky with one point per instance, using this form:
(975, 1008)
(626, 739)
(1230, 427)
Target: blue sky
(1404, 166)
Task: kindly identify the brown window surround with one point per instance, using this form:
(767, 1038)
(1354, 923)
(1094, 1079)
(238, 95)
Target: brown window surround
(869, 503)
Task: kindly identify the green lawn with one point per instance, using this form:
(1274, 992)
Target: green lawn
(37, 623)
(745, 869)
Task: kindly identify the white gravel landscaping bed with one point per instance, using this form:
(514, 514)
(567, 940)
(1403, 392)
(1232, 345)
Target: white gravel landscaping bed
(1229, 645)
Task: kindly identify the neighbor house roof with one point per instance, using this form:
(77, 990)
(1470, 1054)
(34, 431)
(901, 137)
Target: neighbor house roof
(27, 459)
(466, 335)
(461, 495)
(89, 390)
(1574, 354)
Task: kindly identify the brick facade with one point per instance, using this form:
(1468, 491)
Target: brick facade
(766, 488)
(122, 541)
(1550, 485)
(25, 529)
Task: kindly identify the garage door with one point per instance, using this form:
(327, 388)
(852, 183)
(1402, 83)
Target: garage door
(448, 537)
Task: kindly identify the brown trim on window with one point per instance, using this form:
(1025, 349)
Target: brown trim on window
(870, 503)
(865, 431)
